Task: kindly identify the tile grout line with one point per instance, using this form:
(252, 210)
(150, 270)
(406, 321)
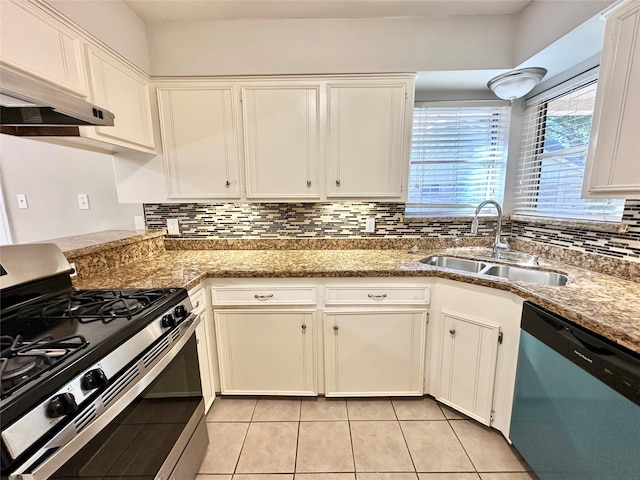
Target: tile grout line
(461, 444)
(415, 470)
(235, 469)
(295, 456)
(353, 452)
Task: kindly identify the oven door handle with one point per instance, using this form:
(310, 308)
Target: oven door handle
(52, 456)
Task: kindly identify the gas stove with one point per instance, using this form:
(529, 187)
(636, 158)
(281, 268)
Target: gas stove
(63, 350)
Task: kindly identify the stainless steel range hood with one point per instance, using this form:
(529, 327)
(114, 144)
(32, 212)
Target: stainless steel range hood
(31, 107)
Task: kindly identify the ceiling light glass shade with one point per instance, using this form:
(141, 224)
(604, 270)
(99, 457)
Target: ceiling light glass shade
(515, 84)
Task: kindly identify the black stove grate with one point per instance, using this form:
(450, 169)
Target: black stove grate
(21, 360)
(94, 305)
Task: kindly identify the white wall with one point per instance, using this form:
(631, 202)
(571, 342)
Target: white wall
(51, 176)
(541, 23)
(347, 45)
(114, 23)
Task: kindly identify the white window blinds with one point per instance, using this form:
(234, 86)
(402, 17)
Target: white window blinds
(554, 147)
(458, 158)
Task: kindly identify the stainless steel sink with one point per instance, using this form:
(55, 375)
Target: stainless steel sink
(510, 272)
(454, 263)
(540, 277)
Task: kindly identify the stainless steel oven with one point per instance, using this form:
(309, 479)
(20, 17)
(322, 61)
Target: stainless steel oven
(98, 384)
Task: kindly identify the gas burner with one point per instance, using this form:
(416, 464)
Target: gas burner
(23, 360)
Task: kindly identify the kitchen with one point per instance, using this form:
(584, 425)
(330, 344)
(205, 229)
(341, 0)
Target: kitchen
(480, 43)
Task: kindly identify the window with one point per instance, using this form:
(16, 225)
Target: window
(458, 158)
(552, 160)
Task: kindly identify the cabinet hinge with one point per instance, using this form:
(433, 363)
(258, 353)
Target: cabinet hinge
(406, 95)
(427, 317)
(492, 416)
(500, 338)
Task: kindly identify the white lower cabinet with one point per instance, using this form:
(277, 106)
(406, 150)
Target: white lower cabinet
(374, 352)
(473, 369)
(468, 368)
(267, 351)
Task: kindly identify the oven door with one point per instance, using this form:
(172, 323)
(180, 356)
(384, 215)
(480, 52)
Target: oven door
(154, 430)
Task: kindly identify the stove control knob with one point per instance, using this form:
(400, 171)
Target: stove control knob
(180, 311)
(94, 379)
(169, 321)
(61, 405)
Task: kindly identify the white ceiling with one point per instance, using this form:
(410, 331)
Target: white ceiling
(158, 11)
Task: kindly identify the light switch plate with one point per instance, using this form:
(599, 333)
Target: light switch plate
(22, 200)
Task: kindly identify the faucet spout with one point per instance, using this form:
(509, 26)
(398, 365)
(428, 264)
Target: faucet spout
(498, 244)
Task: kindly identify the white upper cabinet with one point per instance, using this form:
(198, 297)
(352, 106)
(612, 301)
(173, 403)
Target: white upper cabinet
(368, 138)
(613, 162)
(123, 91)
(282, 140)
(200, 140)
(35, 42)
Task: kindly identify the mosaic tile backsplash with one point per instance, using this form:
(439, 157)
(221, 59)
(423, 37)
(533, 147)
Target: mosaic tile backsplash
(347, 220)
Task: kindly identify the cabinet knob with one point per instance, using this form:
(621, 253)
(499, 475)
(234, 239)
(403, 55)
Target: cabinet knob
(308, 183)
(335, 328)
(337, 183)
(227, 184)
(452, 331)
(304, 327)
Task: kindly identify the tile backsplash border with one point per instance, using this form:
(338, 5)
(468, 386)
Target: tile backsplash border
(286, 221)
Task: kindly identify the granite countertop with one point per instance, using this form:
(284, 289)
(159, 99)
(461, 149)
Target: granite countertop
(95, 242)
(604, 304)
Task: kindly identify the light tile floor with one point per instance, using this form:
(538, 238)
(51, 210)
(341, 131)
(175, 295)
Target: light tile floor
(335, 439)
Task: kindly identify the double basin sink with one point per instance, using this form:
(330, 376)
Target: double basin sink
(509, 272)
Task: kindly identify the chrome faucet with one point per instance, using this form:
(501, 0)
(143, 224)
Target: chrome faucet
(497, 242)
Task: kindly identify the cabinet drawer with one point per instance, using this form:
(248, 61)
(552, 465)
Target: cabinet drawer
(243, 296)
(376, 294)
(198, 301)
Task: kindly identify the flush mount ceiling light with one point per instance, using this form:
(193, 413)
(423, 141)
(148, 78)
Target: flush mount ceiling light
(515, 84)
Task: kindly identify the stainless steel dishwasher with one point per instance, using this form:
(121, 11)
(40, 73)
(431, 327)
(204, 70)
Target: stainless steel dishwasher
(576, 412)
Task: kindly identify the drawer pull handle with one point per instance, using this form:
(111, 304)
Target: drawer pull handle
(227, 184)
(377, 297)
(308, 183)
(197, 304)
(335, 328)
(263, 297)
(337, 183)
(452, 331)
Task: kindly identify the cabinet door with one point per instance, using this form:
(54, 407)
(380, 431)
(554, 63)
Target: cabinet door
(200, 141)
(281, 137)
(266, 351)
(374, 352)
(613, 162)
(124, 92)
(204, 362)
(35, 43)
(468, 367)
(367, 149)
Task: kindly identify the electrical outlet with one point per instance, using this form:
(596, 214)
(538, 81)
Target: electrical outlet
(173, 228)
(75, 270)
(370, 225)
(83, 201)
(22, 200)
